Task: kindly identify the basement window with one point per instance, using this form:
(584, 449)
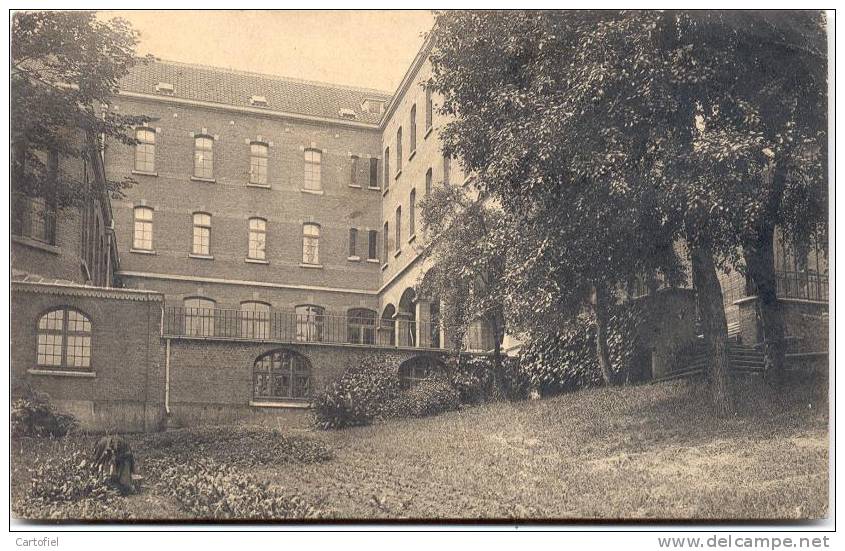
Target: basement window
(164, 88)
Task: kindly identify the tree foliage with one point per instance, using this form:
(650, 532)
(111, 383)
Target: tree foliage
(65, 68)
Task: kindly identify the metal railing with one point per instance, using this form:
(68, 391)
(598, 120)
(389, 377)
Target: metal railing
(809, 285)
(294, 327)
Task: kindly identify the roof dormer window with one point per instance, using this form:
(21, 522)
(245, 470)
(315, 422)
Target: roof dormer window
(258, 101)
(374, 106)
(164, 88)
(347, 113)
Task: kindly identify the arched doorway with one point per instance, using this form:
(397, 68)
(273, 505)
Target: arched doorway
(417, 369)
(406, 318)
(386, 328)
(280, 375)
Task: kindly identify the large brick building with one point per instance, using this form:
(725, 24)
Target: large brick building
(271, 239)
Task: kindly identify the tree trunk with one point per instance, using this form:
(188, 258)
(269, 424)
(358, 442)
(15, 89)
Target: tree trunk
(760, 259)
(600, 302)
(711, 309)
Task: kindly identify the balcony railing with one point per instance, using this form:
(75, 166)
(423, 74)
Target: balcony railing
(293, 327)
(802, 285)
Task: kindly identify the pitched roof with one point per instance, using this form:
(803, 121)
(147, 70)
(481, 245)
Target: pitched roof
(232, 87)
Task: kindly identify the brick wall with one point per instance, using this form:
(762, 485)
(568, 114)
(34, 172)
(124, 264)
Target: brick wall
(174, 196)
(212, 381)
(126, 391)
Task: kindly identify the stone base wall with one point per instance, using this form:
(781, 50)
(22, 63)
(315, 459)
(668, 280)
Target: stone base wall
(806, 324)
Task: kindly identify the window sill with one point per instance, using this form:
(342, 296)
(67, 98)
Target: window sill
(428, 132)
(61, 373)
(397, 253)
(36, 244)
(353, 258)
(356, 186)
(412, 238)
(372, 260)
(256, 261)
(259, 186)
(142, 251)
(384, 266)
(412, 154)
(312, 266)
(201, 256)
(371, 188)
(144, 173)
(291, 404)
(384, 191)
(312, 191)
(201, 179)
(398, 174)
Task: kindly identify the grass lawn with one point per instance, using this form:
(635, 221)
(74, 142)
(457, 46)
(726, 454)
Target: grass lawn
(644, 452)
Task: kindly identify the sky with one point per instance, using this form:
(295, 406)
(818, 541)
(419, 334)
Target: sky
(370, 49)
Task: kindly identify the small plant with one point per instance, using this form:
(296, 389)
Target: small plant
(33, 415)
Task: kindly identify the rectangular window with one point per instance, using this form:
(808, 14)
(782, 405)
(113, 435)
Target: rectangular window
(353, 237)
(258, 153)
(372, 245)
(204, 157)
(373, 172)
(257, 238)
(413, 128)
(313, 160)
(32, 217)
(447, 169)
(145, 150)
(353, 176)
(309, 323)
(428, 182)
(255, 320)
(310, 244)
(143, 235)
(202, 234)
(199, 317)
(385, 245)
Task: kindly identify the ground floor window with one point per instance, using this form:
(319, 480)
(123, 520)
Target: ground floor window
(415, 370)
(281, 374)
(309, 323)
(64, 340)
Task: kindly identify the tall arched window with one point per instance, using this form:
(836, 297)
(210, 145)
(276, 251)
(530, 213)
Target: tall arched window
(64, 340)
(309, 323)
(281, 374)
(313, 170)
(202, 234)
(412, 128)
(145, 150)
(398, 244)
(204, 157)
(311, 243)
(428, 182)
(199, 316)
(255, 320)
(143, 234)
(258, 154)
(361, 326)
(412, 212)
(429, 108)
(386, 182)
(385, 246)
(399, 149)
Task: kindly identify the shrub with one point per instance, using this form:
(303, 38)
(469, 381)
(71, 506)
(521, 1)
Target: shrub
(211, 490)
(566, 360)
(359, 395)
(473, 378)
(33, 415)
(428, 397)
(67, 486)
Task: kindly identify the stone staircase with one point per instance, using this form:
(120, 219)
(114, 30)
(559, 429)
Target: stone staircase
(743, 359)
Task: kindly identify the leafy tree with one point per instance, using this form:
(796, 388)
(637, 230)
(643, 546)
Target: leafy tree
(464, 242)
(65, 68)
(538, 117)
(756, 82)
